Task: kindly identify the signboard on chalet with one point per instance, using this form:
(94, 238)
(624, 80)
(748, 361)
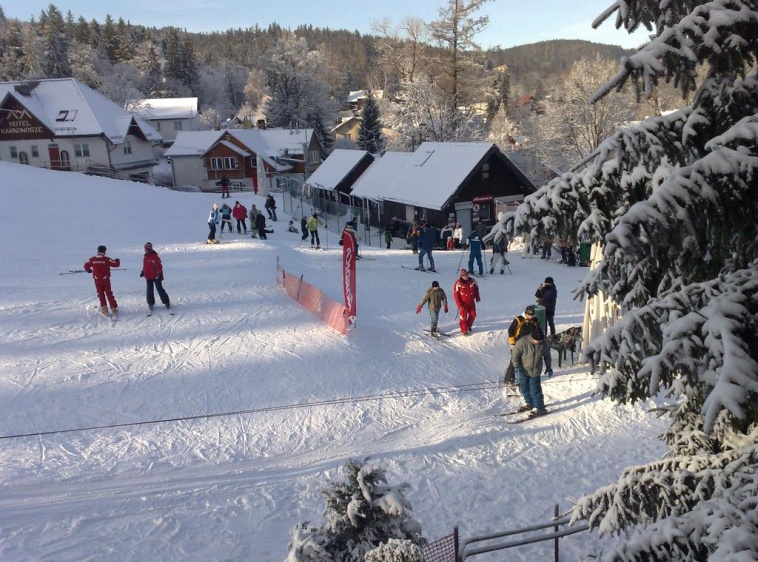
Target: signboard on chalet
(17, 123)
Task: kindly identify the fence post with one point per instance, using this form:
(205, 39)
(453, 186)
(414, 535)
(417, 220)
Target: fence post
(556, 529)
(455, 541)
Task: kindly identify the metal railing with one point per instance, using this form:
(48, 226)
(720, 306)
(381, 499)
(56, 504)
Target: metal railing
(557, 534)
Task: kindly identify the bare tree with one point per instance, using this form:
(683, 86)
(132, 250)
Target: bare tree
(571, 127)
(455, 31)
(402, 50)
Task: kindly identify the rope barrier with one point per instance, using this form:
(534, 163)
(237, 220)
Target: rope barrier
(354, 400)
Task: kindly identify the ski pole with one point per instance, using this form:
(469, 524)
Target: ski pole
(71, 271)
(461, 260)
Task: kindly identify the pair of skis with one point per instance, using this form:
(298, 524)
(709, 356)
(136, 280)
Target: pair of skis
(417, 269)
(438, 334)
(515, 417)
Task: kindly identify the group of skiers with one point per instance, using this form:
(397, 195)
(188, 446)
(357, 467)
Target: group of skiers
(240, 214)
(100, 266)
(530, 351)
(423, 240)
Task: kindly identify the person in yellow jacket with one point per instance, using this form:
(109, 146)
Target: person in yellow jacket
(436, 299)
(313, 223)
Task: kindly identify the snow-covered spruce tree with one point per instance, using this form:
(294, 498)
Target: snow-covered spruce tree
(674, 201)
(362, 513)
(370, 136)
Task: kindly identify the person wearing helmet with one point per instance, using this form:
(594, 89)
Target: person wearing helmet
(466, 295)
(530, 355)
(522, 325)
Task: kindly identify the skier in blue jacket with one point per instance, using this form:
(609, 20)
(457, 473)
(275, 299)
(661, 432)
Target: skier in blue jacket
(475, 245)
(426, 239)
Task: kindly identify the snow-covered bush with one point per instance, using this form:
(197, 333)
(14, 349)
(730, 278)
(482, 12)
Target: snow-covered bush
(362, 513)
(396, 550)
(674, 202)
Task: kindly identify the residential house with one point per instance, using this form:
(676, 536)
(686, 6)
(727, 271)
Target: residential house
(349, 128)
(61, 124)
(168, 116)
(252, 159)
(357, 99)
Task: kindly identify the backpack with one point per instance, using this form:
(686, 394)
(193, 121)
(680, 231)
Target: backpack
(520, 321)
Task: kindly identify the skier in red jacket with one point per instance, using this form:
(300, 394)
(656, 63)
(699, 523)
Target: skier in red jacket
(239, 212)
(152, 271)
(466, 295)
(100, 268)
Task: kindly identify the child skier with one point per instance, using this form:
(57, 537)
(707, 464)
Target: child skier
(436, 299)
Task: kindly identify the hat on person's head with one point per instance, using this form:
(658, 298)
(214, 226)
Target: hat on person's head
(435, 283)
(548, 280)
(537, 335)
(101, 249)
(529, 310)
(464, 271)
(148, 245)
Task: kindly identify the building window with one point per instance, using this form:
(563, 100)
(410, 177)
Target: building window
(81, 150)
(230, 163)
(177, 125)
(35, 151)
(14, 152)
(217, 163)
(314, 157)
(23, 158)
(127, 147)
(66, 115)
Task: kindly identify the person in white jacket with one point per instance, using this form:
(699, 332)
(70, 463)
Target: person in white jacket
(458, 235)
(499, 237)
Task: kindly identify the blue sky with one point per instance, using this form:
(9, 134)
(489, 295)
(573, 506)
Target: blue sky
(512, 22)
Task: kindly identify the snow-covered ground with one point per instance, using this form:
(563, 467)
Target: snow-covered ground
(208, 435)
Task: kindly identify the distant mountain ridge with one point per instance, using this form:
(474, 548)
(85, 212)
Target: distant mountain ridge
(547, 61)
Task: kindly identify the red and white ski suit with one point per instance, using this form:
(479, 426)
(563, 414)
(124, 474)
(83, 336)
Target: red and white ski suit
(466, 295)
(100, 266)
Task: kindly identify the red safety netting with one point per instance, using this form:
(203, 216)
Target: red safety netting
(331, 313)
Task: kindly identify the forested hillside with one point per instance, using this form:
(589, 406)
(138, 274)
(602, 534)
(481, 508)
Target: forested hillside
(352, 55)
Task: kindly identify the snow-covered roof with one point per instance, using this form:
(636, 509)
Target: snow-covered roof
(164, 108)
(193, 143)
(374, 181)
(69, 108)
(434, 172)
(426, 178)
(336, 166)
(356, 95)
(268, 144)
(235, 148)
